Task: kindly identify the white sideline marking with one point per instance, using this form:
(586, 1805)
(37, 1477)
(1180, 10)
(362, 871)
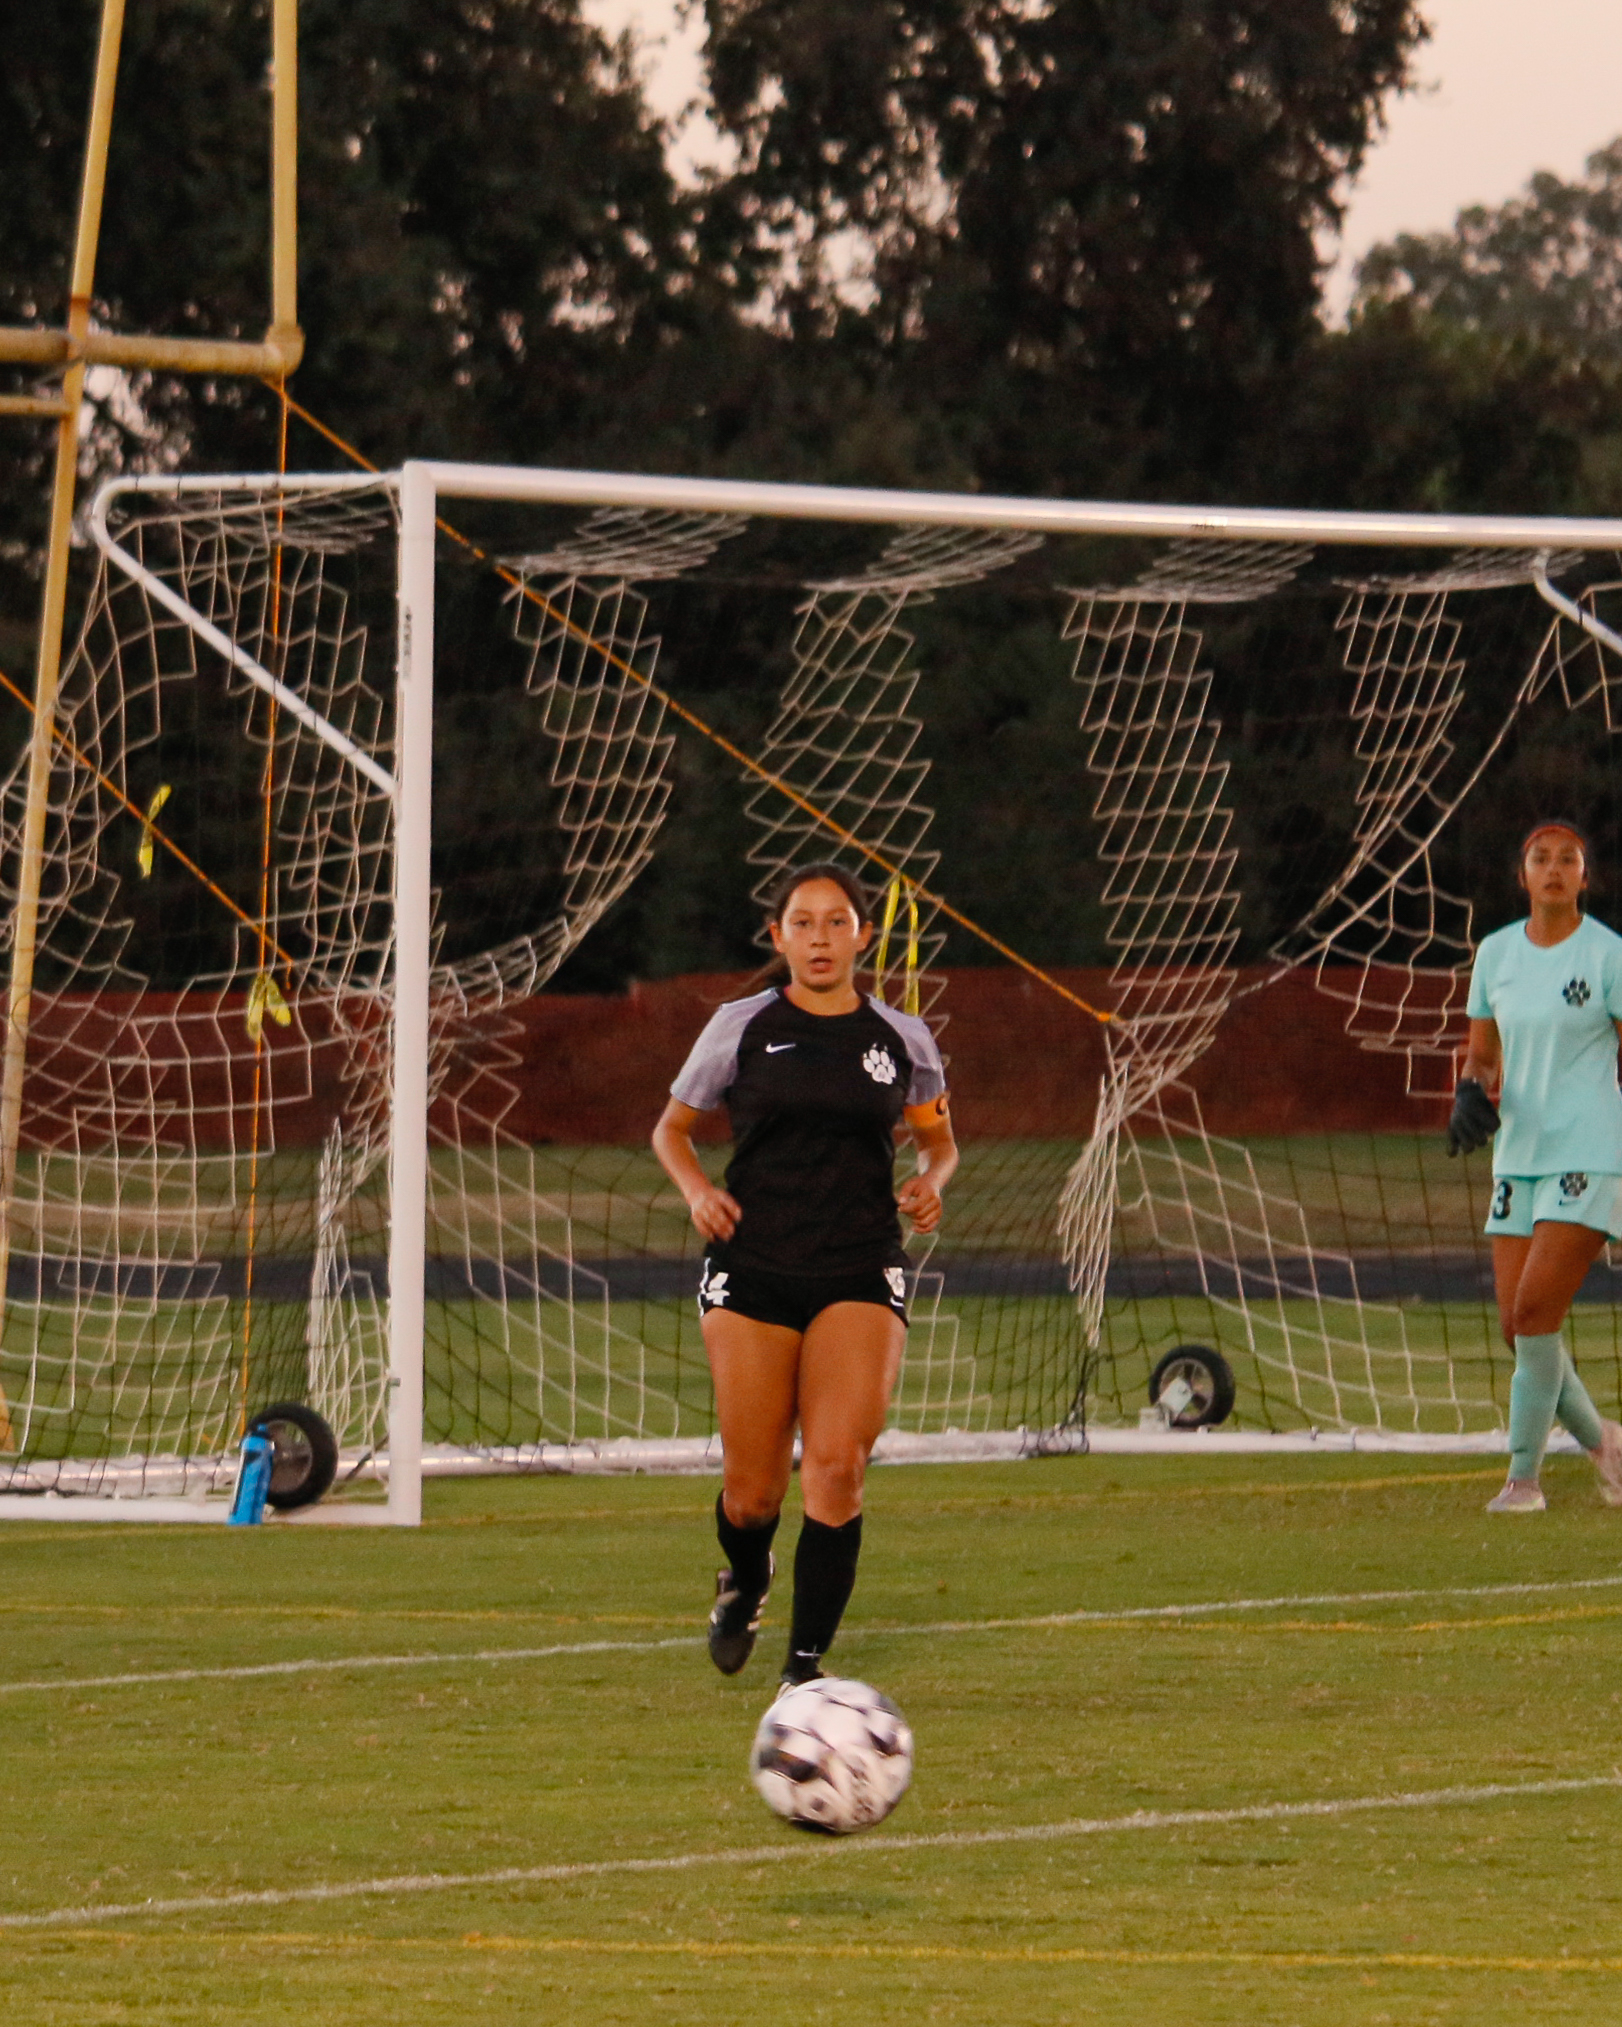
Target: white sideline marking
(776, 1854)
(1249, 1605)
(326, 1665)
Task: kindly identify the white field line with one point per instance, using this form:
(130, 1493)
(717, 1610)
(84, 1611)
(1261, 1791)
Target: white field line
(777, 1854)
(325, 1666)
(941, 1628)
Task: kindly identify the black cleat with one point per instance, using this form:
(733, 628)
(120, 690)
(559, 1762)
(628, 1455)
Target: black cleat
(736, 1620)
(800, 1668)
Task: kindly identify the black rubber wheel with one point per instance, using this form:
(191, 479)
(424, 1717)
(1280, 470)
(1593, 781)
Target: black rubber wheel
(1209, 1376)
(304, 1459)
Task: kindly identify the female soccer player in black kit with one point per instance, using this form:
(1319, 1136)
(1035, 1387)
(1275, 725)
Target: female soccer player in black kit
(803, 1293)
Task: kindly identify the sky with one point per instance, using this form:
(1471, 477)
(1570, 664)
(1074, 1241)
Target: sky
(1504, 87)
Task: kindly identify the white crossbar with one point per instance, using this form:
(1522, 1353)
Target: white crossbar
(1047, 517)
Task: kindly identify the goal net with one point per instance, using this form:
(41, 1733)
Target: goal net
(1182, 827)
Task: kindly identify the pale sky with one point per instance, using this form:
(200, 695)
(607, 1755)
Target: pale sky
(1507, 86)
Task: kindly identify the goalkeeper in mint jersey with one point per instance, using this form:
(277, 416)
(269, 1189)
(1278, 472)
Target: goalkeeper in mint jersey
(1545, 1013)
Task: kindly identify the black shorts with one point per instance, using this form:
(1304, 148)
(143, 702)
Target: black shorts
(791, 1300)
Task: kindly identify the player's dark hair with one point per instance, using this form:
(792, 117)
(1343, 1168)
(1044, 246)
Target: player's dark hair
(775, 970)
(855, 893)
(1590, 884)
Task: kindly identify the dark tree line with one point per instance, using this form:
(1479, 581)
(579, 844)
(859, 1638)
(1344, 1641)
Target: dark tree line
(1072, 250)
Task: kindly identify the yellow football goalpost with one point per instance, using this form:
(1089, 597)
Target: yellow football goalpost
(72, 350)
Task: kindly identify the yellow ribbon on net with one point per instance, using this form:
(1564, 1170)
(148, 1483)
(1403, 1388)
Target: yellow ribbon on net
(909, 991)
(264, 997)
(881, 956)
(881, 959)
(143, 851)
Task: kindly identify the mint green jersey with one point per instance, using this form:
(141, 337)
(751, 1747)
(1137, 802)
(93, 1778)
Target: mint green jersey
(1556, 1011)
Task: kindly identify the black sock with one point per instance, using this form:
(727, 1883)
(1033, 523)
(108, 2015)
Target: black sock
(748, 1550)
(824, 1576)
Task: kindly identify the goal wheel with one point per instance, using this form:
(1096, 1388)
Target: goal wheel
(304, 1454)
(1209, 1379)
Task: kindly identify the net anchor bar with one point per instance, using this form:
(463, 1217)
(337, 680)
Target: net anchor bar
(223, 645)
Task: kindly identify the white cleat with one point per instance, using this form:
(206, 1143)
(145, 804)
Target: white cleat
(1520, 1495)
(1608, 1463)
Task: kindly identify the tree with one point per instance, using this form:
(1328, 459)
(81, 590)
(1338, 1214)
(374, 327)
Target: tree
(1481, 368)
(1088, 228)
(495, 262)
(490, 234)
(1543, 270)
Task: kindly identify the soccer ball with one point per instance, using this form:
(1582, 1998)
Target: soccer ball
(833, 1756)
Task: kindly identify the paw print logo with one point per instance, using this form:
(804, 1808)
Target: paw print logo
(1573, 1185)
(1575, 992)
(879, 1065)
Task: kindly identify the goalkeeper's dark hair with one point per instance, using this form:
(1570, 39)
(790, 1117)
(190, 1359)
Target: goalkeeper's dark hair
(1591, 884)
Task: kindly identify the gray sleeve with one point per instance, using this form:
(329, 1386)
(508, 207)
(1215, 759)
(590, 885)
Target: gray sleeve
(704, 1079)
(928, 1078)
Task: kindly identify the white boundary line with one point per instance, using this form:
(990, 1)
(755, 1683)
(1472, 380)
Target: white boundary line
(938, 1628)
(777, 1854)
(322, 1666)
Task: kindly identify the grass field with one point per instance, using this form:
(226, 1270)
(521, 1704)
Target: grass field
(1019, 1881)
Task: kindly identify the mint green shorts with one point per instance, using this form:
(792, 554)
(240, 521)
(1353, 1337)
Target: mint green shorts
(1578, 1197)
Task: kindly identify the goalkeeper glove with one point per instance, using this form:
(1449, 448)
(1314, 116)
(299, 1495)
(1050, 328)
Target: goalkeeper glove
(1475, 1118)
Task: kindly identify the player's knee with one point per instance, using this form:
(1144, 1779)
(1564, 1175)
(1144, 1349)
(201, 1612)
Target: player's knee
(1535, 1316)
(832, 1479)
(752, 1502)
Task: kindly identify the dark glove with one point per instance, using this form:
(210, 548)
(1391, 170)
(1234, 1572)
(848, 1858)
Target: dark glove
(1475, 1118)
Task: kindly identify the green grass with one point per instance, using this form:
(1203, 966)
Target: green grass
(1450, 1355)
(1493, 1911)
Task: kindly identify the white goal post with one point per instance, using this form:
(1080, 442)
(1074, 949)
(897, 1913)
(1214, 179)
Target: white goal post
(417, 492)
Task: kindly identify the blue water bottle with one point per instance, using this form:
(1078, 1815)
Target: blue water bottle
(253, 1481)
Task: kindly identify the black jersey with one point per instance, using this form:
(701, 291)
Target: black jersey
(814, 1101)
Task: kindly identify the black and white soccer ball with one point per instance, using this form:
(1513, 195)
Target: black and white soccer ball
(833, 1756)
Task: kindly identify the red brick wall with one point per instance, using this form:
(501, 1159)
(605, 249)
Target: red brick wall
(1022, 1060)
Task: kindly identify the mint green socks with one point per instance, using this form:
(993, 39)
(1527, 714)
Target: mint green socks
(1545, 1390)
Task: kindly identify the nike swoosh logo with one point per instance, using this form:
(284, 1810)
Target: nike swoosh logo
(777, 1048)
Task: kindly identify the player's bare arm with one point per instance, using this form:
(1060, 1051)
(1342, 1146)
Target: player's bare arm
(919, 1197)
(715, 1214)
(1483, 1057)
